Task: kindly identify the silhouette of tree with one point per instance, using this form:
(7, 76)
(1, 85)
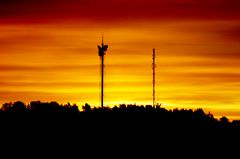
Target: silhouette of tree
(86, 108)
(14, 107)
(224, 120)
(123, 106)
(7, 106)
(19, 107)
(74, 108)
(236, 123)
(141, 117)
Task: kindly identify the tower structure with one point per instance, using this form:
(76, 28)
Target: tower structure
(153, 81)
(101, 52)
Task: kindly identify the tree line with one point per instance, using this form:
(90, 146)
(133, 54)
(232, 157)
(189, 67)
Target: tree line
(138, 115)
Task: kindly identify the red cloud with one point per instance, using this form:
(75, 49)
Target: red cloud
(105, 10)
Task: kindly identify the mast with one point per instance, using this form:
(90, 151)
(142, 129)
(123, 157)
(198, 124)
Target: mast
(153, 81)
(101, 52)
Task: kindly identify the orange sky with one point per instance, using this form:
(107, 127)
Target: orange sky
(49, 58)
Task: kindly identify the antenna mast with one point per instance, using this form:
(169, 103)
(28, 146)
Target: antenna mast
(101, 52)
(153, 67)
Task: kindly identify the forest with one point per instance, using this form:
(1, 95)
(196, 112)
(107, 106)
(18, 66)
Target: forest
(123, 115)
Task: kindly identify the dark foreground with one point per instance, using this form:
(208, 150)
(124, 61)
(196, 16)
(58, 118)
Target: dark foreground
(151, 131)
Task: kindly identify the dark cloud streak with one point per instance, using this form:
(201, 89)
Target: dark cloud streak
(106, 10)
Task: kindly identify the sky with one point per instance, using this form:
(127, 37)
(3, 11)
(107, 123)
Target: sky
(48, 52)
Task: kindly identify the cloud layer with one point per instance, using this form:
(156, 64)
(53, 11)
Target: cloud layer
(108, 10)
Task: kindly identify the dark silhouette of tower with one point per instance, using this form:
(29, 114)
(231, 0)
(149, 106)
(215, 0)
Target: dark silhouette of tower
(153, 67)
(101, 52)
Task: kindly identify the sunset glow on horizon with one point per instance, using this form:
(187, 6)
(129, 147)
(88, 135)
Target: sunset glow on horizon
(48, 52)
